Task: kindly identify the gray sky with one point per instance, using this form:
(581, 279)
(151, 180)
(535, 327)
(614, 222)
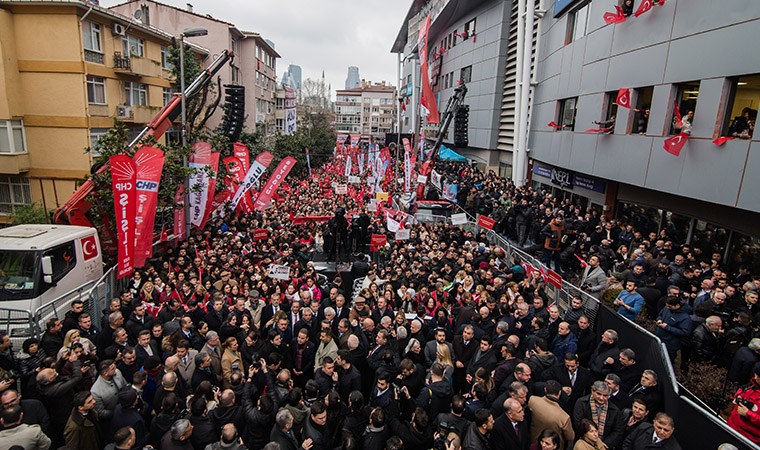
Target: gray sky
(317, 34)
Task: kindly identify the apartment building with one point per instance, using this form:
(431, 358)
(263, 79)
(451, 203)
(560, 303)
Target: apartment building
(369, 110)
(69, 70)
(254, 67)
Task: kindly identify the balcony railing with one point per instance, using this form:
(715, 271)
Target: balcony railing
(121, 62)
(93, 56)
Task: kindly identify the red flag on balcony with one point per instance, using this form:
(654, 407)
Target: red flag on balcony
(624, 97)
(645, 6)
(554, 125)
(674, 144)
(722, 140)
(617, 17)
(599, 130)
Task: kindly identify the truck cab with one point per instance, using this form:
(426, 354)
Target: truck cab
(43, 263)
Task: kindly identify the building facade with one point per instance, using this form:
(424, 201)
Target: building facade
(68, 71)
(672, 56)
(353, 79)
(254, 67)
(468, 43)
(369, 109)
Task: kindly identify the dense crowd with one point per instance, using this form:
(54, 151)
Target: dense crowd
(448, 344)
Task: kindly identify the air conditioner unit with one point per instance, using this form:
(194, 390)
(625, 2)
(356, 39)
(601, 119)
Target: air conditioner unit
(123, 112)
(118, 29)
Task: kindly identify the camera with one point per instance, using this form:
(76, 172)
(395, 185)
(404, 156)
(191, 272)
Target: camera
(746, 403)
(441, 437)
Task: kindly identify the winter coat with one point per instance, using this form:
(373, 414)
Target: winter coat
(677, 330)
(473, 440)
(81, 432)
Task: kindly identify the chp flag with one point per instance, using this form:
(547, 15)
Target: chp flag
(123, 179)
(290, 111)
(258, 167)
(278, 176)
(200, 161)
(149, 162)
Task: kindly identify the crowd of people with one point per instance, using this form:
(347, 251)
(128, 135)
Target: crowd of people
(448, 344)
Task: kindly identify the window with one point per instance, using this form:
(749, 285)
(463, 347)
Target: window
(132, 46)
(469, 29)
(95, 134)
(686, 99)
(465, 75)
(641, 112)
(165, 64)
(567, 110)
(577, 23)
(91, 36)
(96, 90)
(12, 139)
(168, 94)
(741, 110)
(14, 192)
(64, 258)
(135, 93)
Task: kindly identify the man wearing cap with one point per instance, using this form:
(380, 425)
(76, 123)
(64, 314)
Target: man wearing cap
(226, 279)
(255, 306)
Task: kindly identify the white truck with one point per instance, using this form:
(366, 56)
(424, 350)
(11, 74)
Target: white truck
(44, 267)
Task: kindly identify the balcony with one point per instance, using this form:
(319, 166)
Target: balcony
(93, 56)
(121, 63)
(136, 113)
(14, 163)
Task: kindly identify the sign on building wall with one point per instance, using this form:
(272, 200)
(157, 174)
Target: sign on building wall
(290, 111)
(567, 178)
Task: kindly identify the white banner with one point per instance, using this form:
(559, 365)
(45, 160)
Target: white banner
(354, 179)
(198, 182)
(257, 168)
(435, 178)
(360, 161)
(421, 179)
(279, 272)
(372, 205)
(290, 111)
(391, 224)
(341, 189)
(349, 161)
(459, 219)
(402, 234)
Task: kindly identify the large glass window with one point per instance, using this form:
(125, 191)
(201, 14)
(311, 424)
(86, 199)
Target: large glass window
(136, 93)
(14, 192)
(686, 99)
(641, 112)
(165, 64)
(567, 111)
(133, 46)
(12, 139)
(168, 93)
(465, 75)
(741, 113)
(96, 90)
(577, 22)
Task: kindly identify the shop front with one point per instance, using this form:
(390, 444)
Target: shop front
(583, 190)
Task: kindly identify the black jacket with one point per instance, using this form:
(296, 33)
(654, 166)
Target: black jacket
(411, 438)
(348, 381)
(258, 423)
(317, 434)
(503, 436)
(287, 441)
(203, 432)
(473, 440)
(705, 345)
(375, 439)
(641, 439)
(435, 398)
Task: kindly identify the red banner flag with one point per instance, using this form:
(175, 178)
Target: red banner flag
(645, 6)
(598, 130)
(554, 125)
(617, 17)
(427, 99)
(376, 241)
(677, 113)
(123, 180)
(278, 176)
(243, 154)
(674, 144)
(260, 234)
(211, 188)
(624, 98)
(554, 279)
(722, 140)
(486, 222)
(180, 228)
(150, 163)
(582, 261)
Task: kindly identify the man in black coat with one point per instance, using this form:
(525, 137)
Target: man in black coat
(416, 433)
(377, 433)
(465, 347)
(301, 358)
(202, 371)
(605, 356)
(282, 432)
(315, 427)
(34, 411)
(627, 370)
(203, 428)
(349, 378)
(575, 381)
(644, 436)
(612, 429)
(52, 340)
(705, 340)
(485, 357)
(510, 430)
(138, 321)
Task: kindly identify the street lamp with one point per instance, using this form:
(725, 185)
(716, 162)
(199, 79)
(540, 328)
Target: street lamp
(188, 32)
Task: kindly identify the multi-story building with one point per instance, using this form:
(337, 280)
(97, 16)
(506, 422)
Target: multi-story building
(672, 56)
(467, 44)
(254, 67)
(353, 79)
(67, 71)
(294, 74)
(368, 110)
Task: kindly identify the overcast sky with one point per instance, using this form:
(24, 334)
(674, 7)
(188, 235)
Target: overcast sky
(317, 35)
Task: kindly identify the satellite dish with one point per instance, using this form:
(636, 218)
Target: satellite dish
(137, 15)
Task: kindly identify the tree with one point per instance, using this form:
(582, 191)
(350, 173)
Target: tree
(32, 213)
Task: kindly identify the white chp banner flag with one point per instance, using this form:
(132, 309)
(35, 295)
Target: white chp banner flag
(402, 234)
(349, 161)
(392, 225)
(435, 178)
(258, 167)
(279, 272)
(290, 111)
(459, 219)
(360, 161)
(200, 162)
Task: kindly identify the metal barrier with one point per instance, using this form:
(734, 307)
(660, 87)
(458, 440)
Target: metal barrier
(58, 307)
(18, 323)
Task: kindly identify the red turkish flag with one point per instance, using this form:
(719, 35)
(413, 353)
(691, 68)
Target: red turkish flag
(617, 17)
(674, 144)
(645, 6)
(554, 125)
(598, 130)
(677, 113)
(722, 140)
(624, 96)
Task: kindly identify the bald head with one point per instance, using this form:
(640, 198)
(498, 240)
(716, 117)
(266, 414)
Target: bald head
(353, 342)
(228, 398)
(46, 376)
(171, 363)
(169, 380)
(368, 324)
